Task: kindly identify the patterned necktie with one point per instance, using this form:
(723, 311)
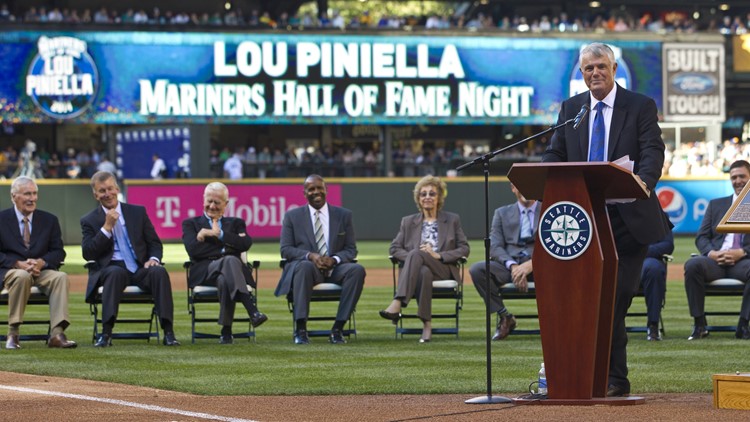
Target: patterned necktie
(596, 151)
(121, 238)
(737, 241)
(26, 232)
(320, 239)
(526, 225)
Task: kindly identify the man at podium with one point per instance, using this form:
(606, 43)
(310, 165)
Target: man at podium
(621, 123)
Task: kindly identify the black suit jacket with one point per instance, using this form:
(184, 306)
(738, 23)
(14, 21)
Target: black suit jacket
(235, 241)
(96, 246)
(298, 239)
(634, 131)
(708, 238)
(46, 241)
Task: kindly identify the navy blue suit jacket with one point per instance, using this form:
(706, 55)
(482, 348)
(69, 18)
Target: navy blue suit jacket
(96, 246)
(634, 131)
(46, 241)
(235, 241)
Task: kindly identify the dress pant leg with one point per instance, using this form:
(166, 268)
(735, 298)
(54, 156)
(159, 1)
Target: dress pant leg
(699, 270)
(628, 278)
(54, 284)
(654, 281)
(113, 279)
(431, 270)
(741, 271)
(156, 280)
(499, 276)
(351, 277)
(225, 289)
(305, 276)
(18, 283)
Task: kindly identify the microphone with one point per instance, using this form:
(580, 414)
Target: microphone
(580, 116)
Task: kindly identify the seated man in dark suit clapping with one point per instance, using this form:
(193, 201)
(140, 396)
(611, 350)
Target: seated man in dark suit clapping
(215, 244)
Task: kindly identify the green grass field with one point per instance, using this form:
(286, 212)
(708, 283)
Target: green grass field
(374, 362)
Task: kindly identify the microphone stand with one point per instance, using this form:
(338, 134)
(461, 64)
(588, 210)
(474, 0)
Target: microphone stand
(485, 161)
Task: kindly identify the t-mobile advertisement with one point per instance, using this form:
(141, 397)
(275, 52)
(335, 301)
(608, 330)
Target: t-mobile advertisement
(261, 206)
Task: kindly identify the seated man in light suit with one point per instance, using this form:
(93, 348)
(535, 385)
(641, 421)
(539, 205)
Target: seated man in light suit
(215, 244)
(721, 255)
(122, 241)
(511, 246)
(31, 252)
(317, 240)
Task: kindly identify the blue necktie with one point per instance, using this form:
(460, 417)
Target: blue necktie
(121, 238)
(596, 152)
(526, 233)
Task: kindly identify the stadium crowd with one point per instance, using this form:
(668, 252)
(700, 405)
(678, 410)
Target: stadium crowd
(607, 20)
(690, 159)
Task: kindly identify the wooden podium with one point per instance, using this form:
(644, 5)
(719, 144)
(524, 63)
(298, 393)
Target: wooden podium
(575, 273)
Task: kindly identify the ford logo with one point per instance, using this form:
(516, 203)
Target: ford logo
(692, 83)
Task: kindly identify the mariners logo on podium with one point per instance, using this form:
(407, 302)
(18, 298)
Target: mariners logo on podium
(565, 230)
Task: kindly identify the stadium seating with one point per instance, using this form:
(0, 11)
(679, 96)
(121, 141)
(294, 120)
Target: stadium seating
(131, 295)
(450, 290)
(323, 292)
(200, 295)
(36, 298)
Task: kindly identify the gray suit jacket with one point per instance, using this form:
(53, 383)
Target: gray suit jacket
(634, 131)
(506, 233)
(452, 244)
(298, 239)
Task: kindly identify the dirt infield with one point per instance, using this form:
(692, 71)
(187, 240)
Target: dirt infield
(30, 398)
(42, 398)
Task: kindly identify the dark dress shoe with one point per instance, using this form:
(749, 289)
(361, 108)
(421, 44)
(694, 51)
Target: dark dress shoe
(62, 342)
(300, 337)
(170, 340)
(505, 326)
(653, 333)
(226, 339)
(337, 337)
(12, 342)
(743, 332)
(104, 340)
(393, 316)
(699, 332)
(617, 391)
(258, 318)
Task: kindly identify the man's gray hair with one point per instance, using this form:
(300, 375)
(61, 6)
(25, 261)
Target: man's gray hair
(21, 181)
(217, 187)
(597, 49)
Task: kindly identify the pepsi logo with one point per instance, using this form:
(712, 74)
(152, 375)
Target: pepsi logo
(673, 203)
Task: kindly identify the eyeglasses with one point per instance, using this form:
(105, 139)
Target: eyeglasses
(430, 194)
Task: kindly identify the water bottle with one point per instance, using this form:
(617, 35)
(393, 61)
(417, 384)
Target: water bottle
(542, 381)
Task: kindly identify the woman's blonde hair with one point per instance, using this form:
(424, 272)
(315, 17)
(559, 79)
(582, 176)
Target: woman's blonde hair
(438, 184)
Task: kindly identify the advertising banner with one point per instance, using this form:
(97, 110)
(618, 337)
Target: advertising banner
(262, 206)
(694, 82)
(685, 201)
(300, 78)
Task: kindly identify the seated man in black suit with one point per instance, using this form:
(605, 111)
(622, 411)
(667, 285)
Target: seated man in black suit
(721, 255)
(654, 283)
(512, 237)
(126, 249)
(215, 244)
(317, 256)
(31, 252)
